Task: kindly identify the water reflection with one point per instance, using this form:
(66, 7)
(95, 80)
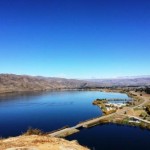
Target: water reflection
(48, 110)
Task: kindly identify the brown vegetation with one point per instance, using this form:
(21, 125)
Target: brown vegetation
(32, 131)
(38, 142)
(21, 83)
(148, 108)
(17, 83)
(99, 101)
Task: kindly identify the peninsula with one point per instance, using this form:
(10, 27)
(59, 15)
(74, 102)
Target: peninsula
(135, 111)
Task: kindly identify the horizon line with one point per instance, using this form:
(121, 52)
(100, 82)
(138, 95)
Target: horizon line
(92, 78)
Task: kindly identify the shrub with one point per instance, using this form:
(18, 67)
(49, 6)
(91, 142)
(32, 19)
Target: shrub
(147, 90)
(148, 109)
(32, 131)
(143, 114)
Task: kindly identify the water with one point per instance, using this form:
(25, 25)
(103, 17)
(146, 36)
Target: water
(52, 110)
(113, 137)
(48, 111)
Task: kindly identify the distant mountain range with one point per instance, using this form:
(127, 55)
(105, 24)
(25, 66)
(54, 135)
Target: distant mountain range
(18, 83)
(129, 81)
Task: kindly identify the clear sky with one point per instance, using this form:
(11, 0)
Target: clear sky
(75, 38)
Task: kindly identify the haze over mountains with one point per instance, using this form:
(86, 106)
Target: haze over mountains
(19, 83)
(125, 81)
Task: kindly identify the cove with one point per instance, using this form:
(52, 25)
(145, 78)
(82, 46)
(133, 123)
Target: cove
(48, 110)
(113, 137)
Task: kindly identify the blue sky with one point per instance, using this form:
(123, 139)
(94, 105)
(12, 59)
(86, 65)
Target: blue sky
(75, 38)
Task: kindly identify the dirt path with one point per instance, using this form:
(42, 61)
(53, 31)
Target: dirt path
(129, 110)
(144, 96)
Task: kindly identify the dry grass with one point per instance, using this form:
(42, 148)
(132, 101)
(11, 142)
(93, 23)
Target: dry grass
(32, 131)
(39, 142)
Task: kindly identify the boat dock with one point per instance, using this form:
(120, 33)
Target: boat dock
(119, 99)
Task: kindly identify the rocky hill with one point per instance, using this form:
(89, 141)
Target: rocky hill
(21, 83)
(135, 81)
(18, 83)
(38, 142)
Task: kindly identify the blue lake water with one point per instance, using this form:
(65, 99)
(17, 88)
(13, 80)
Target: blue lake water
(113, 137)
(52, 110)
(48, 111)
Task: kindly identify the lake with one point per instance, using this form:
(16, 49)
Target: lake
(52, 110)
(113, 137)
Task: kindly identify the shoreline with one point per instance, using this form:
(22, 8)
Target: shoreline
(60, 90)
(124, 119)
(51, 90)
(118, 117)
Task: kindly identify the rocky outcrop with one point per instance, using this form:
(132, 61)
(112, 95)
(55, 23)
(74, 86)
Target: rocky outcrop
(37, 142)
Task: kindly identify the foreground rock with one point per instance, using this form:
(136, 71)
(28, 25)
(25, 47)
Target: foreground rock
(37, 142)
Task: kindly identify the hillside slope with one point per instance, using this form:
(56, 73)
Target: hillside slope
(137, 81)
(18, 83)
(21, 83)
(37, 142)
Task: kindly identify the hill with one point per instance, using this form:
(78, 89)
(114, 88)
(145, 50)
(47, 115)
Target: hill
(22, 83)
(18, 83)
(38, 142)
(128, 81)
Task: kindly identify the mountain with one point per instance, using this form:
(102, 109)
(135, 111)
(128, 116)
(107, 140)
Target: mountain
(129, 81)
(18, 83)
(21, 83)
